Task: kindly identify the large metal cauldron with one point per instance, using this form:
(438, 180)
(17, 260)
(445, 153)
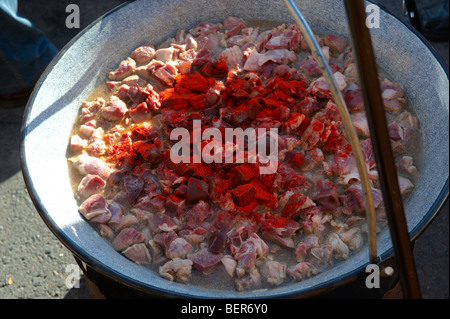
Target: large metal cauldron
(84, 62)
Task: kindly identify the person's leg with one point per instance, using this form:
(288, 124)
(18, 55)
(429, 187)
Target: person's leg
(24, 52)
(429, 17)
(434, 19)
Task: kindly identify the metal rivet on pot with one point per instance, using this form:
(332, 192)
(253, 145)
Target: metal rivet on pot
(387, 271)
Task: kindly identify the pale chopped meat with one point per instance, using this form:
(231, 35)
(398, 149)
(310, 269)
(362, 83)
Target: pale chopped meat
(132, 80)
(294, 121)
(91, 165)
(326, 52)
(310, 66)
(246, 257)
(303, 247)
(90, 109)
(393, 96)
(94, 209)
(351, 72)
(405, 185)
(251, 280)
(77, 143)
(302, 270)
(177, 270)
(195, 236)
(312, 134)
(320, 88)
(354, 199)
(206, 28)
(116, 215)
(354, 99)
(305, 46)
(233, 25)
(233, 57)
(313, 221)
(340, 249)
(261, 247)
(209, 42)
(86, 130)
(406, 165)
(165, 55)
(311, 159)
(277, 42)
(127, 220)
(140, 113)
(308, 105)
(159, 222)
(126, 238)
(391, 90)
(322, 254)
(336, 43)
(179, 247)
(106, 231)
(404, 127)
(280, 56)
(125, 69)
(151, 202)
(229, 264)
(90, 185)
(166, 73)
(96, 147)
(409, 124)
(327, 195)
(274, 272)
(115, 109)
(361, 125)
(204, 260)
(284, 38)
(144, 54)
(352, 238)
(138, 253)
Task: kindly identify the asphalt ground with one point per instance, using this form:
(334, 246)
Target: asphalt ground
(33, 262)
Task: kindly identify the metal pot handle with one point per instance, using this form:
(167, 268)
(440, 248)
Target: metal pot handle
(370, 89)
(348, 125)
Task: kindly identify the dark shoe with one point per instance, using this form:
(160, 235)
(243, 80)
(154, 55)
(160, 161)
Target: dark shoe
(9, 101)
(431, 21)
(435, 22)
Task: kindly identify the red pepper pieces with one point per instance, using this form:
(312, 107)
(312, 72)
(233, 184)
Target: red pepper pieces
(243, 195)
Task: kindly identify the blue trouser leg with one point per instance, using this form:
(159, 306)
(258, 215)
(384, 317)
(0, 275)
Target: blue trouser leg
(24, 50)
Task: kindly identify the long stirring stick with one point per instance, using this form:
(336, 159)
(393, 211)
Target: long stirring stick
(376, 118)
(346, 120)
